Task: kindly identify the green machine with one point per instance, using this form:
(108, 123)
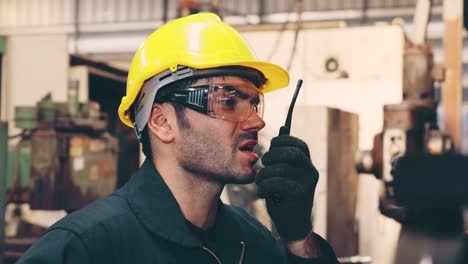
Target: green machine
(64, 158)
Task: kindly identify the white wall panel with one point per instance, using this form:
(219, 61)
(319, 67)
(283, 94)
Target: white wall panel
(22, 17)
(145, 12)
(86, 11)
(55, 11)
(67, 9)
(9, 7)
(99, 17)
(134, 10)
(44, 13)
(34, 9)
(121, 7)
(29, 74)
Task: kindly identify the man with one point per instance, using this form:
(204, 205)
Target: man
(195, 97)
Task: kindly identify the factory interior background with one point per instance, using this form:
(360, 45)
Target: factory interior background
(366, 65)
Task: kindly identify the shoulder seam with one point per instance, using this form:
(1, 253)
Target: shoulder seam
(73, 228)
(75, 234)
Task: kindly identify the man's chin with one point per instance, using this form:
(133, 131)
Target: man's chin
(243, 179)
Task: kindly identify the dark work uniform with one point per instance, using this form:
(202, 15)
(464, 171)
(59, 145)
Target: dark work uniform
(142, 223)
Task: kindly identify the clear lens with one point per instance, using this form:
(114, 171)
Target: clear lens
(234, 103)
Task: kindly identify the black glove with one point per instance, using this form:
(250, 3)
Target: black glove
(287, 182)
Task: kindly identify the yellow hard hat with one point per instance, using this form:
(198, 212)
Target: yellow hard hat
(199, 41)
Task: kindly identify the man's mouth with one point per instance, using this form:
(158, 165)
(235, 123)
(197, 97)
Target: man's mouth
(247, 148)
(248, 145)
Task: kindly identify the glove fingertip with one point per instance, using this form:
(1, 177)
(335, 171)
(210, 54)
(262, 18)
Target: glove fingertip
(266, 159)
(290, 141)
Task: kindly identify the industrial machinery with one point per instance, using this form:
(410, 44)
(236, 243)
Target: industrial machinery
(409, 127)
(63, 159)
(424, 180)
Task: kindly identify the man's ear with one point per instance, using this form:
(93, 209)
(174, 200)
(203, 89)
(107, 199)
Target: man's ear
(159, 123)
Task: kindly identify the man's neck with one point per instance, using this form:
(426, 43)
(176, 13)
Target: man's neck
(198, 197)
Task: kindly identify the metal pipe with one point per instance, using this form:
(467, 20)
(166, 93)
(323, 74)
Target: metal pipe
(420, 21)
(365, 7)
(452, 87)
(165, 9)
(76, 25)
(261, 10)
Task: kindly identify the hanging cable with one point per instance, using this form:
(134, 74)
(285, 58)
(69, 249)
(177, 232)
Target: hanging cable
(284, 26)
(300, 10)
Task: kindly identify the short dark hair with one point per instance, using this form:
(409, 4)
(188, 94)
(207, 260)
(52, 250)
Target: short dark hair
(182, 120)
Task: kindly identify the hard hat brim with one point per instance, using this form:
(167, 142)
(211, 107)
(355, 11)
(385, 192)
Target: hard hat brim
(276, 77)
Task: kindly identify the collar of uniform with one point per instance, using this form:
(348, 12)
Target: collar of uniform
(154, 205)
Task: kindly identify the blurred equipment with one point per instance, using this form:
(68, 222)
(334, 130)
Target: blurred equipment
(63, 160)
(409, 127)
(190, 7)
(424, 180)
(106, 85)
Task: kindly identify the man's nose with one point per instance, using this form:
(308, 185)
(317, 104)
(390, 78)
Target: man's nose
(254, 122)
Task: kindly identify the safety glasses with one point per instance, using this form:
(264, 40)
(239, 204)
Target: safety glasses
(227, 102)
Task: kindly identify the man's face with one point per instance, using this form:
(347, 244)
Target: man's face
(217, 149)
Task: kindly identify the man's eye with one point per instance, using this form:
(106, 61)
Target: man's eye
(227, 101)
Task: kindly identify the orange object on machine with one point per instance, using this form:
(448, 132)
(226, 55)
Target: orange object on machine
(188, 7)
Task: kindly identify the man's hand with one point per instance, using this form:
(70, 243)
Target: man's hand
(287, 182)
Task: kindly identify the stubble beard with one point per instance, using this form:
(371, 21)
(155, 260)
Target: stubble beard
(204, 156)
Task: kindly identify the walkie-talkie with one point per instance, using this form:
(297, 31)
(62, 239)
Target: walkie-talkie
(286, 129)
